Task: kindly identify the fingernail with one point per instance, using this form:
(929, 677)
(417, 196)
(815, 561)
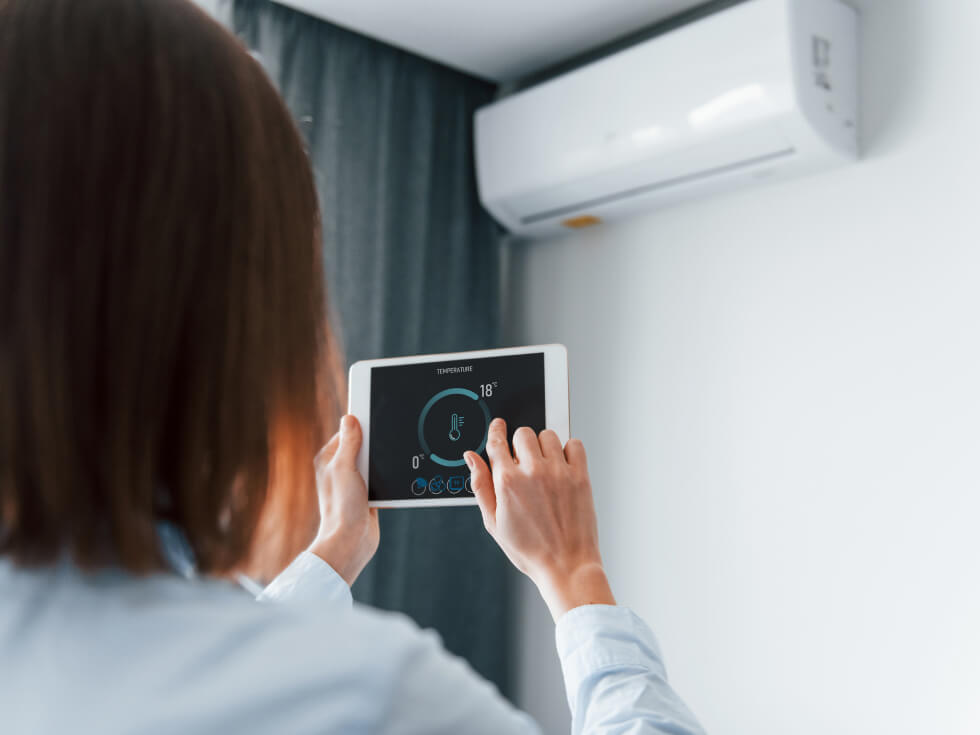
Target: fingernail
(498, 422)
(347, 423)
(468, 459)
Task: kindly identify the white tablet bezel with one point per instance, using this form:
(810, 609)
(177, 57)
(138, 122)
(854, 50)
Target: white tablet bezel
(555, 401)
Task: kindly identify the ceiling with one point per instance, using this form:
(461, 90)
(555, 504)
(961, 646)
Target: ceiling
(500, 40)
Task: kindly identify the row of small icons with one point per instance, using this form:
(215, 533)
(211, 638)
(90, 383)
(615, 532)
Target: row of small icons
(437, 485)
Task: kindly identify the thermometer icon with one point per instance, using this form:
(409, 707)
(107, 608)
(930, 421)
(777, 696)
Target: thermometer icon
(455, 422)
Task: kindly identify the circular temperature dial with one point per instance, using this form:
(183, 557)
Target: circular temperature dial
(454, 421)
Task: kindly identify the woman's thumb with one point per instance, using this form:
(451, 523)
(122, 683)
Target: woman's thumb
(350, 443)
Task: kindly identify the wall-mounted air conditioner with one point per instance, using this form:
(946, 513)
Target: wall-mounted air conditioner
(764, 90)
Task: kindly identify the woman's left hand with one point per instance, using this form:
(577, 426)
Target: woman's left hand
(349, 532)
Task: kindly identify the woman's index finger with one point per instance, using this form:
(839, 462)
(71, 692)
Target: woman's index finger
(497, 449)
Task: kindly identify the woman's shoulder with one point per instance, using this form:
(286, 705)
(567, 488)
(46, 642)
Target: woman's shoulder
(200, 651)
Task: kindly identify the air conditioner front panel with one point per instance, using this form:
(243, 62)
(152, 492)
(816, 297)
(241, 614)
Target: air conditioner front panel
(647, 101)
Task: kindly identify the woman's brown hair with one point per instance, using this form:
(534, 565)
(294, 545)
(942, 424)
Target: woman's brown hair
(163, 337)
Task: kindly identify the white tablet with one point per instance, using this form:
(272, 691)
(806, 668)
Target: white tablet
(420, 414)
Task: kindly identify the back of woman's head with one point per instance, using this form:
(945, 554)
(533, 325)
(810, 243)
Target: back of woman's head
(162, 328)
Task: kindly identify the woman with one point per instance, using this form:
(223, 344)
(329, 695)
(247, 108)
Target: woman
(165, 378)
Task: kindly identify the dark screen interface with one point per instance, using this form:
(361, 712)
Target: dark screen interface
(425, 416)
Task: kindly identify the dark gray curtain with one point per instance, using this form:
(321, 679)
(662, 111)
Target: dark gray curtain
(412, 267)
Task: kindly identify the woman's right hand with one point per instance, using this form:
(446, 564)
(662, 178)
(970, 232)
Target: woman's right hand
(537, 505)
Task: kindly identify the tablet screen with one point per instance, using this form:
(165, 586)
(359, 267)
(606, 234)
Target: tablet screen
(426, 415)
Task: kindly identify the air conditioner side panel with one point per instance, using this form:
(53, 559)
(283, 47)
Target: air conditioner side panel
(825, 43)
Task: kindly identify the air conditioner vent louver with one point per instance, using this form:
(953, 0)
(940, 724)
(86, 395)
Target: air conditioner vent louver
(637, 191)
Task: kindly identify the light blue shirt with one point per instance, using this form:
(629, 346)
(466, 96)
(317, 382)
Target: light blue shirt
(111, 653)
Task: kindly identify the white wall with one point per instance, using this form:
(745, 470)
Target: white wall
(780, 394)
